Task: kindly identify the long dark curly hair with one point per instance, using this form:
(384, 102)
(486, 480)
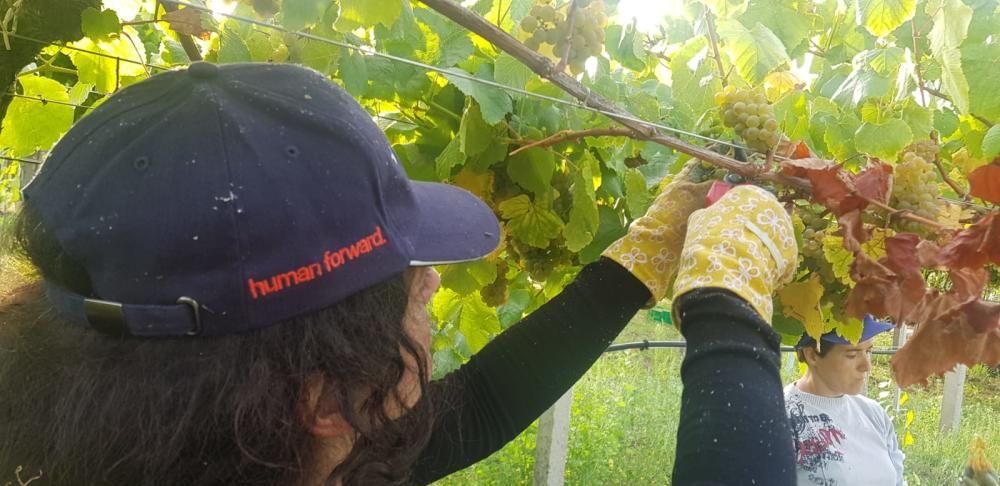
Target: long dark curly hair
(86, 408)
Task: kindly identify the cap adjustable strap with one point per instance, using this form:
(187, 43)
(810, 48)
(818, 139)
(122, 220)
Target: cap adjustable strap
(115, 318)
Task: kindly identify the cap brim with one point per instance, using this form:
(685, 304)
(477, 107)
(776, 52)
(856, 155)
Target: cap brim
(872, 327)
(455, 226)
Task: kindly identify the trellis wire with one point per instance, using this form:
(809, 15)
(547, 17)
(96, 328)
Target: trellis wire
(46, 101)
(120, 59)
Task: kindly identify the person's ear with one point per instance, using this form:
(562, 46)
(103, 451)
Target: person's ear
(424, 283)
(321, 413)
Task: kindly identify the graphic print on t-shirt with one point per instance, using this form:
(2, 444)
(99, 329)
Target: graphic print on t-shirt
(816, 443)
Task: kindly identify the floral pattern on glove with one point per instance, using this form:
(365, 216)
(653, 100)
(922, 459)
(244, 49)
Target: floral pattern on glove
(744, 243)
(652, 247)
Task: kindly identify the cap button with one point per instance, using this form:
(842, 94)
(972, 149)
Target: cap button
(203, 70)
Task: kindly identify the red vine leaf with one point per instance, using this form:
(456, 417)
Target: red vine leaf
(969, 336)
(838, 190)
(974, 246)
(852, 229)
(984, 182)
(875, 181)
(188, 21)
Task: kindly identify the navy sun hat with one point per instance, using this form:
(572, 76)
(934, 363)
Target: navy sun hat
(872, 327)
(216, 200)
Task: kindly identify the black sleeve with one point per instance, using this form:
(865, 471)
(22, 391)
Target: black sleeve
(510, 382)
(733, 429)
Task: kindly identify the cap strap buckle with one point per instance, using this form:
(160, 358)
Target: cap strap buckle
(197, 314)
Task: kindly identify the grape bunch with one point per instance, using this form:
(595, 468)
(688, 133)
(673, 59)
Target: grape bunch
(539, 262)
(547, 25)
(747, 111)
(915, 186)
(812, 235)
(495, 294)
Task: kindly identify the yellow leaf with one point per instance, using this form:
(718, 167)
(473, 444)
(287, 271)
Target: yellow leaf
(800, 301)
(850, 330)
(909, 417)
(478, 183)
(965, 161)
(908, 440)
(903, 398)
(778, 83)
(840, 258)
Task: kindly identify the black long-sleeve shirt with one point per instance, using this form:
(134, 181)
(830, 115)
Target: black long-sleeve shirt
(732, 426)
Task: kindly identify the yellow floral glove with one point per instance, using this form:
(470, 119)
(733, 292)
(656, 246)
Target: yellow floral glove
(744, 243)
(651, 249)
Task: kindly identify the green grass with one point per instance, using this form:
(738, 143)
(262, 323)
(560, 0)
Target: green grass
(625, 413)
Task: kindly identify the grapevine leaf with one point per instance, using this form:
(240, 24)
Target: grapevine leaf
(532, 169)
(453, 42)
(693, 80)
(478, 183)
(637, 196)
(31, 126)
(358, 13)
(512, 311)
(778, 83)
(981, 66)
(727, 8)
(191, 21)
(801, 301)
(511, 72)
(839, 257)
(974, 246)
(920, 120)
(494, 103)
(789, 24)
(449, 158)
(945, 122)
(106, 73)
(951, 26)
(874, 182)
(354, 72)
(881, 17)
(466, 278)
(232, 48)
(609, 230)
(864, 81)
(583, 218)
(839, 136)
(474, 134)
(533, 224)
(991, 143)
(884, 140)
(755, 52)
(850, 330)
(785, 325)
(477, 322)
(298, 14)
(99, 24)
(624, 44)
(937, 346)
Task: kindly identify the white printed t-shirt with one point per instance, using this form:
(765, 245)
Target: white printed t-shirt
(843, 441)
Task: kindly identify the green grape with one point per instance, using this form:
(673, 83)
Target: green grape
(752, 121)
(529, 24)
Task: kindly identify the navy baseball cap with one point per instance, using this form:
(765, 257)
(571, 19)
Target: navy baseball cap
(872, 327)
(216, 200)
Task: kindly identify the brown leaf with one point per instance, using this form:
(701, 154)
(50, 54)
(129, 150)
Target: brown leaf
(902, 259)
(852, 229)
(937, 346)
(875, 182)
(838, 190)
(984, 182)
(974, 246)
(875, 290)
(188, 21)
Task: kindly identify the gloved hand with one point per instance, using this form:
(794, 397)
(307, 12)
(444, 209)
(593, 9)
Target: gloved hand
(651, 248)
(744, 243)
